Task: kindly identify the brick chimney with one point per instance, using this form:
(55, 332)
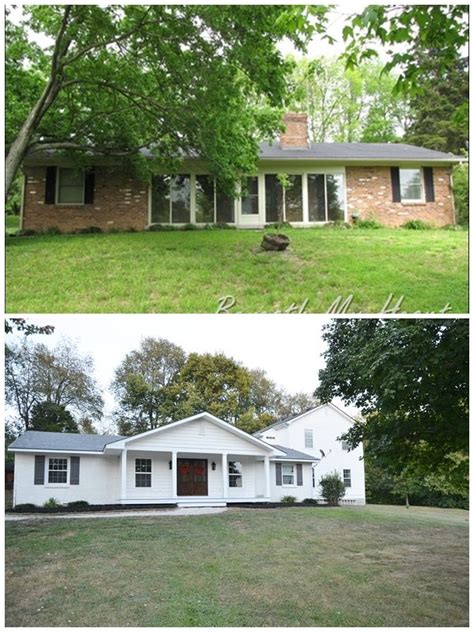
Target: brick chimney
(296, 134)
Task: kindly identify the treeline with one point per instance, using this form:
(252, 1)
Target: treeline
(158, 383)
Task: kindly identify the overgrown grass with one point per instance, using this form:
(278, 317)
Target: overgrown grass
(12, 224)
(347, 566)
(189, 271)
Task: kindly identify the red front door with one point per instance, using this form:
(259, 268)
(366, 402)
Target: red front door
(192, 477)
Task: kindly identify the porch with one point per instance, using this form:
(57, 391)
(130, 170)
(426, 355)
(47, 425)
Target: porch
(192, 478)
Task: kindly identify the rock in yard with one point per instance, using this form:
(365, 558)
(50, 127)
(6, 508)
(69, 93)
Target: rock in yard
(272, 241)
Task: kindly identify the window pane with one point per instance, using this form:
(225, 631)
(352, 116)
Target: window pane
(235, 481)
(347, 478)
(287, 469)
(71, 177)
(273, 199)
(142, 465)
(235, 467)
(57, 471)
(224, 207)
(335, 193)
(294, 200)
(204, 199)
(410, 184)
(288, 480)
(308, 438)
(316, 197)
(180, 199)
(71, 195)
(160, 200)
(250, 200)
(142, 480)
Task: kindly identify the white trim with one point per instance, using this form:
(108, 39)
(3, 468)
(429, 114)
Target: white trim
(49, 485)
(422, 199)
(48, 451)
(307, 412)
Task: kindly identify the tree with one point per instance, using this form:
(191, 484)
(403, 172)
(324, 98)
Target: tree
(23, 326)
(50, 417)
(61, 376)
(171, 78)
(142, 385)
(461, 192)
(332, 488)
(409, 379)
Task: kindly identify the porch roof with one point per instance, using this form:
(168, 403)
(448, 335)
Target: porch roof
(293, 455)
(68, 442)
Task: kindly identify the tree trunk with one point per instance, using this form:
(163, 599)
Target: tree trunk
(20, 144)
(407, 501)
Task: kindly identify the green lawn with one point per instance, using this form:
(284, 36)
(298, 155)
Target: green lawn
(347, 566)
(12, 224)
(189, 271)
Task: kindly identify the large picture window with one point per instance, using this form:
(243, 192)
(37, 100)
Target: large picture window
(57, 471)
(326, 197)
(273, 199)
(181, 199)
(283, 203)
(70, 186)
(294, 199)
(160, 199)
(411, 189)
(204, 199)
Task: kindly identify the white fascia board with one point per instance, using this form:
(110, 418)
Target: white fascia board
(122, 443)
(292, 460)
(48, 451)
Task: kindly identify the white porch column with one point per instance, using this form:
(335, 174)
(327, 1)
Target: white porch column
(224, 475)
(174, 473)
(267, 476)
(123, 475)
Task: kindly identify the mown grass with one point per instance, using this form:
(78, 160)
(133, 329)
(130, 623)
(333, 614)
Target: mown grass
(187, 272)
(347, 566)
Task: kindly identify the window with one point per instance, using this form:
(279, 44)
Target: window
(160, 199)
(273, 199)
(283, 203)
(235, 474)
(325, 197)
(250, 199)
(347, 478)
(308, 438)
(294, 199)
(224, 207)
(204, 199)
(142, 472)
(288, 474)
(181, 199)
(57, 471)
(345, 446)
(70, 186)
(410, 185)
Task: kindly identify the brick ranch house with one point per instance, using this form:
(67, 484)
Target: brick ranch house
(390, 182)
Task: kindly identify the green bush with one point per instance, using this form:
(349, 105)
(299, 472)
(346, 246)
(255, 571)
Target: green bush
(52, 230)
(278, 225)
(310, 501)
(156, 228)
(288, 500)
(461, 193)
(26, 507)
(189, 226)
(90, 230)
(416, 224)
(224, 226)
(27, 232)
(78, 503)
(370, 223)
(332, 488)
(52, 503)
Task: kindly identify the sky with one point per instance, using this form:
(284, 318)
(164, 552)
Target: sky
(288, 347)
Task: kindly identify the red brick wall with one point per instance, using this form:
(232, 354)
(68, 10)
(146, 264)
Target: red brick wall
(296, 132)
(369, 191)
(119, 202)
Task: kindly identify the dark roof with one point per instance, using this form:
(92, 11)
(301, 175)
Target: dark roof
(294, 454)
(70, 442)
(347, 152)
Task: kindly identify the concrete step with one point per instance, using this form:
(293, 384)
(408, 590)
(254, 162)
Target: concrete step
(202, 503)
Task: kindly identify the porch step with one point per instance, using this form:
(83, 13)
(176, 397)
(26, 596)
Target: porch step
(202, 503)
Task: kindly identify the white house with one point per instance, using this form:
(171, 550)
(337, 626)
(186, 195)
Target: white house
(196, 461)
(316, 432)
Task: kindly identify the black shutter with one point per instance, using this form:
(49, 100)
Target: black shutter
(89, 184)
(396, 197)
(39, 470)
(50, 188)
(74, 478)
(278, 473)
(299, 474)
(429, 184)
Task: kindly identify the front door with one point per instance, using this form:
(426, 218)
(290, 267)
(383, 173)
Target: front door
(249, 205)
(192, 477)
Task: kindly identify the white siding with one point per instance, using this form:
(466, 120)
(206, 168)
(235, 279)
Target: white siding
(327, 424)
(99, 481)
(300, 492)
(199, 435)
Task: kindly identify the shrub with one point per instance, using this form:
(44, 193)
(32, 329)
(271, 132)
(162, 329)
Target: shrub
(278, 225)
(461, 192)
(155, 228)
(26, 507)
(288, 500)
(370, 223)
(52, 230)
(332, 488)
(416, 224)
(52, 503)
(78, 503)
(27, 232)
(189, 226)
(310, 501)
(224, 226)
(90, 230)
